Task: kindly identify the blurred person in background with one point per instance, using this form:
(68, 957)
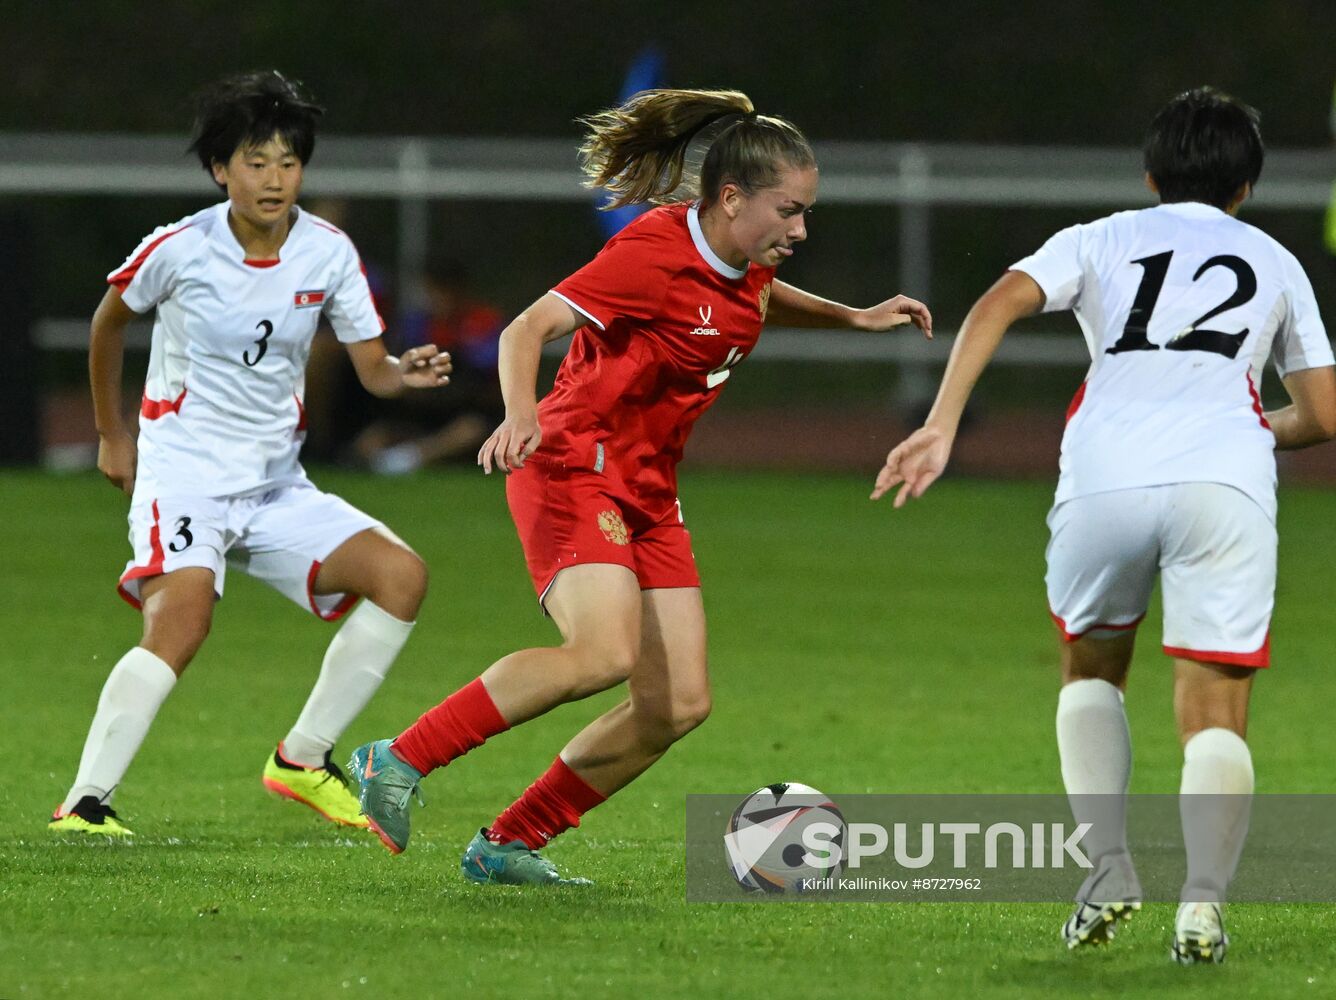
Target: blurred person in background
(1167, 469)
(661, 317)
(422, 429)
(214, 478)
(337, 407)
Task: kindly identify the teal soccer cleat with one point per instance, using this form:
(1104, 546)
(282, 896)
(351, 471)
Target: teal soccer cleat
(510, 864)
(387, 783)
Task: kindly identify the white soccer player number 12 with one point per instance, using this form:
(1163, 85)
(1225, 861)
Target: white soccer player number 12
(720, 375)
(1192, 337)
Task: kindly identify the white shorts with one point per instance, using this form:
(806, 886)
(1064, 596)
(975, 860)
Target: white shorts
(1215, 551)
(280, 537)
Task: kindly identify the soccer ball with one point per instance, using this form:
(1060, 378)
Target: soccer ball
(765, 845)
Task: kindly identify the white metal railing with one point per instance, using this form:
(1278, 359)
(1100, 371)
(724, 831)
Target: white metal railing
(544, 170)
(414, 171)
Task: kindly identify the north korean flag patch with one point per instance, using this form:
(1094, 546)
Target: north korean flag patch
(310, 299)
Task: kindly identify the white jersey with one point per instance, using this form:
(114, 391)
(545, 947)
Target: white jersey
(222, 411)
(1181, 305)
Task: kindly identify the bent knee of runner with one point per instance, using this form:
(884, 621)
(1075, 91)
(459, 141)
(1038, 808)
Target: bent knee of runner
(177, 620)
(600, 663)
(398, 583)
(660, 726)
(686, 716)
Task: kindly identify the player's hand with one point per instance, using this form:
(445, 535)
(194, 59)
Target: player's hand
(916, 462)
(117, 458)
(425, 367)
(510, 444)
(895, 312)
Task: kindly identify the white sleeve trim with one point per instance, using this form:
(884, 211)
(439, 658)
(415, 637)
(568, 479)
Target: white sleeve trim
(358, 335)
(578, 308)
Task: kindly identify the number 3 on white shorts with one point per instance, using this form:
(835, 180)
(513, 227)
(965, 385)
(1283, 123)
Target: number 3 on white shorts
(720, 375)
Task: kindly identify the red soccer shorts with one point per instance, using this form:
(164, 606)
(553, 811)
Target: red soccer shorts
(573, 517)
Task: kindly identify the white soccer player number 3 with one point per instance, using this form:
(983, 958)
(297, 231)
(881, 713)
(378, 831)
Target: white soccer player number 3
(720, 375)
(262, 343)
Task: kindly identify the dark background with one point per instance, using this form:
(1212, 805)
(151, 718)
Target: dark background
(1081, 73)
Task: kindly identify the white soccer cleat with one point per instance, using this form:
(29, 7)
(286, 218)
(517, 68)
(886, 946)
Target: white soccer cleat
(1110, 895)
(1096, 923)
(1199, 934)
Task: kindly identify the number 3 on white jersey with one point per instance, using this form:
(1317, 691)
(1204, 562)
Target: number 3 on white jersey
(720, 375)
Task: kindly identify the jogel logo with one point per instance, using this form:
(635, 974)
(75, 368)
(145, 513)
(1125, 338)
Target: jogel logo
(613, 527)
(763, 300)
(705, 330)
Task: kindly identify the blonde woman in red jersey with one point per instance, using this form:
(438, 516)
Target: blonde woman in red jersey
(661, 317)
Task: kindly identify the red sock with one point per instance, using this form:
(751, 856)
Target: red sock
(454, 727)
(551, 805)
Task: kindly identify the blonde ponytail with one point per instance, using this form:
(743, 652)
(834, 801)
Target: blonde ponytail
(638, 152)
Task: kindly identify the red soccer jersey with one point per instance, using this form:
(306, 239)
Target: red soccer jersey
(668, 319)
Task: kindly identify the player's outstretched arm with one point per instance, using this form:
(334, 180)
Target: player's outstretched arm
(521, 348)
(790, 306)
(116, 454)
(1311, 416)
(383, 375)
(914, 464)
(918, 461)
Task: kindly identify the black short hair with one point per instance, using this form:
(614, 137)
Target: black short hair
(1203, 146)
(249, 109)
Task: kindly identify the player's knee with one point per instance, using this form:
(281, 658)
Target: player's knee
(604, 664)
(192, 632)
(615, 660)
(660, 727)
(175, 634)
(413, 577)
(688, 715)
(399, 583)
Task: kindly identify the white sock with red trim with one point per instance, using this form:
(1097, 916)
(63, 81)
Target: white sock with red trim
(131, 697)
(1214, 804)
(1095, 748)
(356, 663)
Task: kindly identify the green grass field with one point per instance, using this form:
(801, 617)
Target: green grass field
(853, 648)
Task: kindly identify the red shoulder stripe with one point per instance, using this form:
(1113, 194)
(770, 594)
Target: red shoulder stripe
(125, 275)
